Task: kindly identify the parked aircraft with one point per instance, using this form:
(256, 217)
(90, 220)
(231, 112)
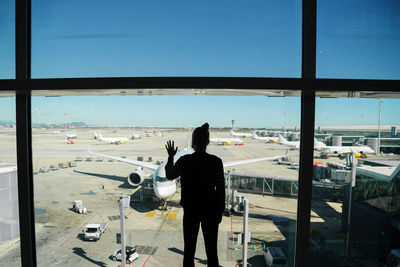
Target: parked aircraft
(265, 138)
(245, 135)
(226, 141)
(111, 140)
(340, 150)
(296, 144)
(70, 136)
(163, 188)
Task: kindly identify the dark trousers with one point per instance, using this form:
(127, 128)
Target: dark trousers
(209, 226)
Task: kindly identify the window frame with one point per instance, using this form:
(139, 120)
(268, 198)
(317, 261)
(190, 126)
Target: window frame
(23, 85)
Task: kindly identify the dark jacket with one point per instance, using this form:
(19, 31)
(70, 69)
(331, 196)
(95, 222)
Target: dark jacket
(202, 180)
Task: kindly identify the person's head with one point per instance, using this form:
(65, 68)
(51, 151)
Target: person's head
(200, 138)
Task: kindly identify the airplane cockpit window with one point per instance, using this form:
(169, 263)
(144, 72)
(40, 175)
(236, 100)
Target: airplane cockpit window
(161, 179)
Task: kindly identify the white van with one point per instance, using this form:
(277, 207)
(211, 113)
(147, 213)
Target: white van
(275, 257)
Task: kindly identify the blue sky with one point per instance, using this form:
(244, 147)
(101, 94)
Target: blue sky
(99, 38)
(183, 111)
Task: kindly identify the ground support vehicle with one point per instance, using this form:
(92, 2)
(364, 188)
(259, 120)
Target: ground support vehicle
(93, 231)
(131, 254)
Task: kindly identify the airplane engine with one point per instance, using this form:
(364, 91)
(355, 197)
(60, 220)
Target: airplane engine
(136, 177)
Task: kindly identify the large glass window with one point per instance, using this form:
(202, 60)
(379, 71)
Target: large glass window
(158, 38)
(88, 149)
(358, 39)
(7, 39)
(10, 253)
(355, 208)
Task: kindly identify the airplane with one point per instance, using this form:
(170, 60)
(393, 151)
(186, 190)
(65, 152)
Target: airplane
(135, 136)
(111, 140)
(284, 141)
(162, 187)
(340, 150)
(70, 136)
(245, 135)
(226, 141)
(265, 138)
(296, 144)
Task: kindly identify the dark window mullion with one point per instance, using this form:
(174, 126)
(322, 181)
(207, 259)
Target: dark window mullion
(307, 131)
(24, 132)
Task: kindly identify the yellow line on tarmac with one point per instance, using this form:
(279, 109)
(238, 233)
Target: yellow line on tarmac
(150, 214)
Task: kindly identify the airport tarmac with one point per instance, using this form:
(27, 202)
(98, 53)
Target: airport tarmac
(156, 233)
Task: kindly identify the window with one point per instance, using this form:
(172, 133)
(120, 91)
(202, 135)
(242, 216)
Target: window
(365, 126)
(134, 126)
(7, 39)
(358, 39)
(9, 224)
(167, 39)
(73, 53)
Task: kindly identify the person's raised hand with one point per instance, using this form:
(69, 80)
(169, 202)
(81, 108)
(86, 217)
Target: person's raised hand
(170, 148)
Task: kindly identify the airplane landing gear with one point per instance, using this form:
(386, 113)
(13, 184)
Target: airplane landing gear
(163, 205)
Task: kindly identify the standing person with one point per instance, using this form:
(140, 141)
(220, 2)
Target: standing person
(202, 194)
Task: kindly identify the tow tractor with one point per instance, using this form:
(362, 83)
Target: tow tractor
(78, 207)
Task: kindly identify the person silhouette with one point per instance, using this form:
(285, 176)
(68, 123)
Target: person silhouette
(202, 194)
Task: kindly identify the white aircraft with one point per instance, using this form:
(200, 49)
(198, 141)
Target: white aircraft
(340, 150)
(136, 136)
(226, 141)
(70, 136)
(164, 188)
(265, 138)
(245, 135)
(296, 144)
(111, 140)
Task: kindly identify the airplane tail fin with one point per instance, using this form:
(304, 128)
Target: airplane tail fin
(286, 153)
(281, 139)
(317, 145)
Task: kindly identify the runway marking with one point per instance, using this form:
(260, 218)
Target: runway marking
(107, 150)
(116, 217)
(172, 215)
(173, 261)
(78, 229)
(150, 214)
(159, 260)
(144, 264)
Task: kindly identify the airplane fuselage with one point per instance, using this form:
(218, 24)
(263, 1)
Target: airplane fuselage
(163, 188)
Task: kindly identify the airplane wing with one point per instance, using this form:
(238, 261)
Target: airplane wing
(244, 161)
(130, 161)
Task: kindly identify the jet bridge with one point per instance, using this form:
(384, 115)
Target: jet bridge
(281, 186)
